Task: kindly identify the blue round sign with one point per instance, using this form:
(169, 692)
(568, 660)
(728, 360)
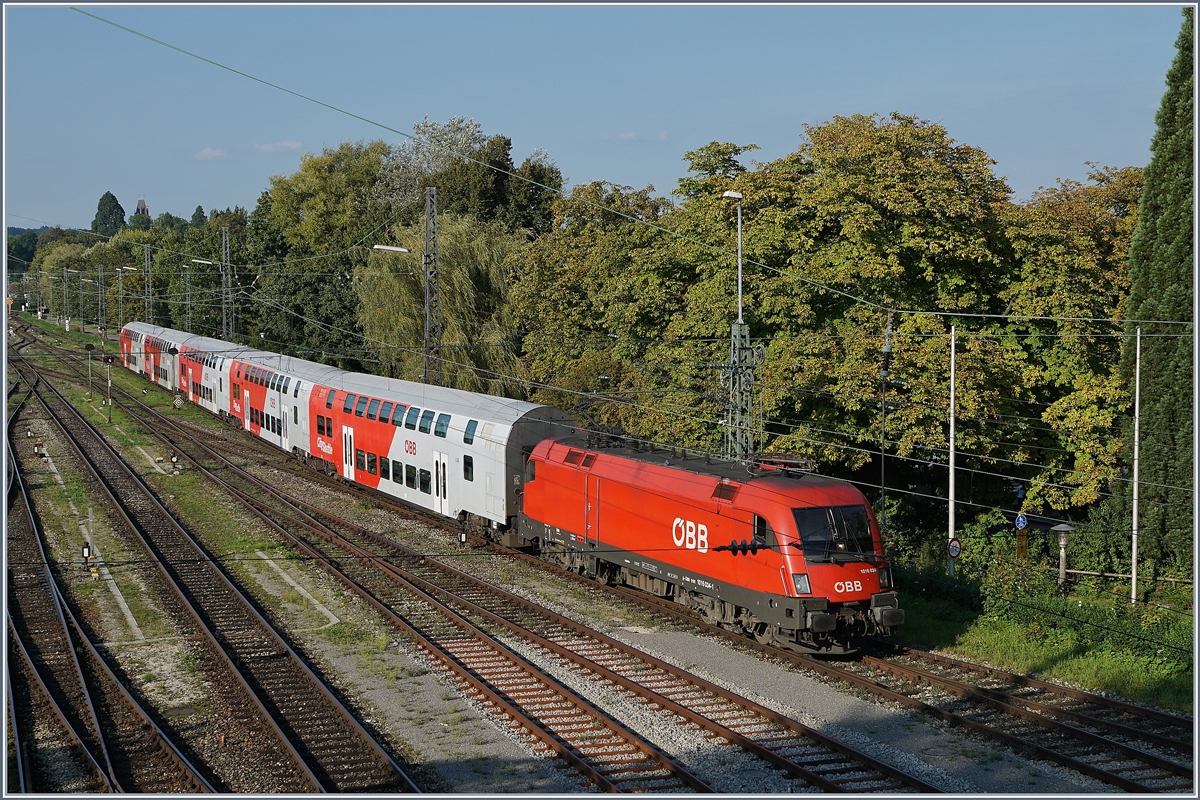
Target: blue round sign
(1021, 522)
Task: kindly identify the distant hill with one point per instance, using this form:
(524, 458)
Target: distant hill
(19, 231)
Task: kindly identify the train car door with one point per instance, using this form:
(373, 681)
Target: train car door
(348, 452)
(441, 494)
(246, 408)
(191, 381)
(591, 511)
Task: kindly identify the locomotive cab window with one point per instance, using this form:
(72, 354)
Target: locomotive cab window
(426, 421)
(841, 533)
(763, 535)
(469, 433)
(373, 409)
(530, 471)
(410, 421)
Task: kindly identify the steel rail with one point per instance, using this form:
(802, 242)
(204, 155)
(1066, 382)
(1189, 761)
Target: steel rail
(73, 734)
(31, 592)
(967, 691)
(454, 662)
(650, 696)
(163, 515)
(1130, 709)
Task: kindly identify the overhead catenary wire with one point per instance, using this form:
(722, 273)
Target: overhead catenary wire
(633, 218)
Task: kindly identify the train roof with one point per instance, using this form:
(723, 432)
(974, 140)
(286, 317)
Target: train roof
(453, 401)
(697, 463)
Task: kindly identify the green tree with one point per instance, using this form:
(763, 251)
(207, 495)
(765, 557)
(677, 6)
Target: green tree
(110, 217)
(140, 222)
(21, 249)
(1161, 259)
(199, 217)
(480, 343)
(329, 214)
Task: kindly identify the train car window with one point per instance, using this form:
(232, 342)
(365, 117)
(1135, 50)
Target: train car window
(410, 476)
(530, 471)
(443, 424)
(220, 384)
(385, 412)
(398, 416)
(384, 468)
(397, 473)
(468, 468)
(763, 535)
(271, 382)
(239, 371)
(296, 393)
(286, 383)
(426, 482)
(574, 457)
(329, 399)
(426, 421)
(372, 463)
(588, 460)
(469, 433)
(295, 415)
(361, 406)
(276, 379)
(346, 409)
(410, 421)
(320, 425)
(360, 459)
(373, 409)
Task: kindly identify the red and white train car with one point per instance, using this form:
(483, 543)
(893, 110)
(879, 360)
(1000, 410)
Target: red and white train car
(457, 454)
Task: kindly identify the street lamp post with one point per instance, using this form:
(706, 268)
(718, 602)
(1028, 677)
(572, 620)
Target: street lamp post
(1063, 531)
(738, 196)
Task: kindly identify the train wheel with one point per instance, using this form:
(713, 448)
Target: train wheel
(764, 633)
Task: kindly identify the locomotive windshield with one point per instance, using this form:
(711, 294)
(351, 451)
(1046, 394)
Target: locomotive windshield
(841, 533)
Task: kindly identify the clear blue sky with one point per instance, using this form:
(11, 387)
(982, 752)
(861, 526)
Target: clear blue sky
(611, 93)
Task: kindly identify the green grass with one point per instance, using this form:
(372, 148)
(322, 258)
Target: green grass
(1044, 652)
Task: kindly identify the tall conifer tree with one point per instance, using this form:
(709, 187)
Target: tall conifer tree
(1160, 265)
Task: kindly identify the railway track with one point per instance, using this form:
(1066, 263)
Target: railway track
(1121, 744)
(327, 748)
(120, 738)
(813, 759)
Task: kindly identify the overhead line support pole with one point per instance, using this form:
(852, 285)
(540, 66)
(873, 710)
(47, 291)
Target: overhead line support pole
(433, 306)
(1137, 421)
(953, 404)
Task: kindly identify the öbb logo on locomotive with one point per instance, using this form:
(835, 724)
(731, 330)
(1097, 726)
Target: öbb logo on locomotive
(688, 534)
(810, 573)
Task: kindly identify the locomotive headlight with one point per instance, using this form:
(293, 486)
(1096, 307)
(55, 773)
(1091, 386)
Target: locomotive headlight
(885, 577)
(801, 584)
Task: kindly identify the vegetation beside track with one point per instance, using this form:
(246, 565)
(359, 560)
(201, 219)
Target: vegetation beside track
(952, 617)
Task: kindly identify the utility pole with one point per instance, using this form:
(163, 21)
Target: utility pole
(101, 304)
(884, 373)
(739, 372)
(953, 404)
(226, 294)
(187, 295)
(1137, 422)
(433, 306)
(149, 321)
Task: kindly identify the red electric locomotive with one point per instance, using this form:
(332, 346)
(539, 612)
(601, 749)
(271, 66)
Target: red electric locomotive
(787, 556)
